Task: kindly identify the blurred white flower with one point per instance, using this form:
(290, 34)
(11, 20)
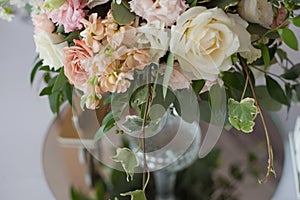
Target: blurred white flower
(18, 3)
(6, 14)
(49, 48)
(93, 3)
(257, 11)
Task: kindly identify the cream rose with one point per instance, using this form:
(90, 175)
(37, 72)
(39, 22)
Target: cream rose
(50, 49)
(203, 41)
(155, 38)
(256, 11)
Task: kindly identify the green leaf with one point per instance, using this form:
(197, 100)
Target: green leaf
(265, 100)
(73, 35)
(282, 54)
(296, 21)
(61, 80)
(224, 4)
(265, 54)
(275, 90)
(68, 92)
(289, 38)
(293, 73)
(136, 195)
(297, 89)
(139, 97)
(256, 29)
(168, 73)
(46, 91)
(242, 114)
(128, 160)
(197, 86)
(35, 69)
(54, 102)
(133, 123)
(121, 12)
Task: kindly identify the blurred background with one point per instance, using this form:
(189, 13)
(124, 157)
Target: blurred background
(25, 118)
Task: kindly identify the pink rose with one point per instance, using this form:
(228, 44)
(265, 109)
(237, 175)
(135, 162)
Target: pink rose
(69, 15)
(41, 23)
(76, 62)
(165, 11)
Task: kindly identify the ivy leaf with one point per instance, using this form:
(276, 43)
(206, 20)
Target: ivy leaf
(197, 86)
(257, 29)
(224, 4)
(128, 160)
(293, 73)
(242, 114)
(121, 12)
(275, 90)
(289, 38)
(136, 195)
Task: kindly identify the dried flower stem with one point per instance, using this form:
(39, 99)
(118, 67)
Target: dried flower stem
(270, 168)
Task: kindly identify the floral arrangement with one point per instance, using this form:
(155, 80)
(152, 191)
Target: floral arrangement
(144, 53)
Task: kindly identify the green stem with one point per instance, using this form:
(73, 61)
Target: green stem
(148, 103)
(270, 73)
(270, 168)
(245, 88)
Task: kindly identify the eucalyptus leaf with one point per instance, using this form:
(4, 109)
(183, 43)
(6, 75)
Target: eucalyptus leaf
(136, 195)
(289, 38)
(121, 12)
(265, 100)
(61, 80)
(275, 90)
(168, 73)
(128, 160)
(242, 114)
(35, 69)
(46, 91)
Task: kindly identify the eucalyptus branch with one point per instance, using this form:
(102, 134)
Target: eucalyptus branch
(148, 103)
(270, 73)
(270, 168)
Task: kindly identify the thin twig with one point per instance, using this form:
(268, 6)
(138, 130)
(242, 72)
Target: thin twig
(270, 168)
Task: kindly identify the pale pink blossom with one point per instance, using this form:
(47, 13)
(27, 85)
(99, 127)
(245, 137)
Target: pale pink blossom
(111, 80)
(41, 22)
(177, 80)
(94, 32)
(136, 59)
(76, 59)
(166, 11)
(69, 15)
(118, 35)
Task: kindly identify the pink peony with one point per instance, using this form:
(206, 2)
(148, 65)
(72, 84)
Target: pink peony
(165, 11)
(69, 15)
(41, 22)
(76, 62)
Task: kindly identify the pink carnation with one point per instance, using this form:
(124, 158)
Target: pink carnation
(76, 62)
(69, 15)
(166, 11)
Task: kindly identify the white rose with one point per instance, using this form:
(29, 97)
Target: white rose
(256, 11)
(155, 38)
(50, 49)
(203, 41)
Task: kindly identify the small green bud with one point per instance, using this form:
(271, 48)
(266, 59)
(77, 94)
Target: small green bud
(54, 4)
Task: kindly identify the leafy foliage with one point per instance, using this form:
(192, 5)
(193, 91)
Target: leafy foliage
(242, 114)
